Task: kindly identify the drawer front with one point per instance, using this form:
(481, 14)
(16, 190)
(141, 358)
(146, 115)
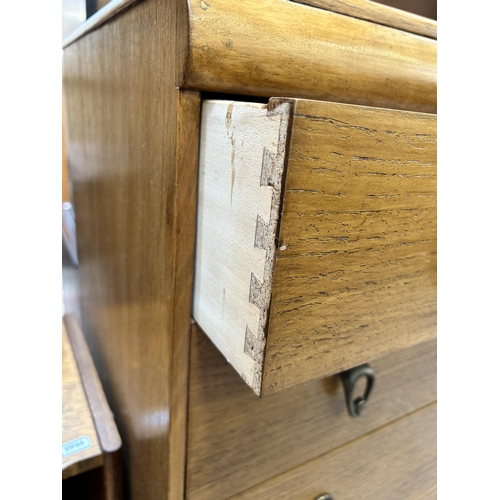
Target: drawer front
(395, 462)
(316, 245)
(237, 440)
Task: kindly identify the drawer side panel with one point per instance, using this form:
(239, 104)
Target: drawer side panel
(242, 149)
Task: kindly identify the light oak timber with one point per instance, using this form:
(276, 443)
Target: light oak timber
(107, 433)
(380, 14)
(281, 48)
(134, 184)
(397, 461)
(350, 274)
(237, 440)
(77, 419)
(355, 273)
(133, 198)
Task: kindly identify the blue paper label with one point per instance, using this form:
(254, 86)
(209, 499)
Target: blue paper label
(76, 445)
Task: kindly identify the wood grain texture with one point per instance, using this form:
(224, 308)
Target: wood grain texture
(397, 461)
(133, 194)
(107, 12)
(188, 132)
(281, 48)
(380, 14)
(237, 440)
(428, 495)
(355, 273)
(77, 419)
(242, 156)
(65, 176)
(107, 433)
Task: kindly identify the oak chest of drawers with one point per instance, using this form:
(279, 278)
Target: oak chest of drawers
(267, 168)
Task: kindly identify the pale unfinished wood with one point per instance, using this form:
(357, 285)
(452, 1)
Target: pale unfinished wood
(107, 433)
(395, 462)
(77, 419)
(237, 440)
(429, 495)
(135, 213)
(377, 13)
(242, 153)
(355, 270)
(355, 274)
(281, 48)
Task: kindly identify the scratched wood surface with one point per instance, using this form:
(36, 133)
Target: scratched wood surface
(77, 419)
(282, 48)
(395, 462)
(355, 272)
(242, 155)
(134, 183)
(377, 13)
(237, 440)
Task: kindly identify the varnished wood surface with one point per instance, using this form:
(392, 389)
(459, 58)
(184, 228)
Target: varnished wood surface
(380, 14)
(107, 433)
(77, 419)
(281, 48)
(109, 438)
(395, 462)
(132, 196)
(188, 131)
(237, 440)
(107, 12)
(355, 273)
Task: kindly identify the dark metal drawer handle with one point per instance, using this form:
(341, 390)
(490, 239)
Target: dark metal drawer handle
(349, 379)
(324, 496)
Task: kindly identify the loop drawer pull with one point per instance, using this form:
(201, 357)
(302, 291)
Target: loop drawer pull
(349, 379)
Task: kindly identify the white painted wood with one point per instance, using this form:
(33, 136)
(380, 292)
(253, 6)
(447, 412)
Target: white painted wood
(242, 152)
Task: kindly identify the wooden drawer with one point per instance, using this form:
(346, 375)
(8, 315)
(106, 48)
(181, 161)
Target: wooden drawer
(237, 440)
(316, 236)
(395, 462)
